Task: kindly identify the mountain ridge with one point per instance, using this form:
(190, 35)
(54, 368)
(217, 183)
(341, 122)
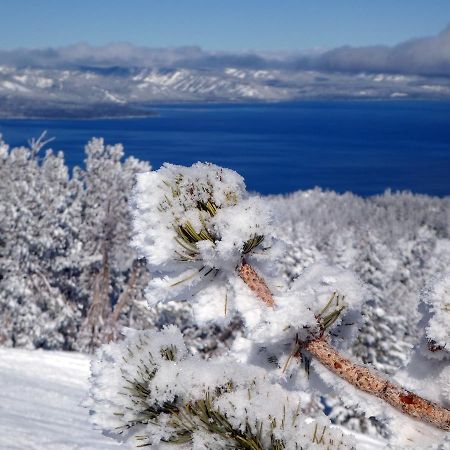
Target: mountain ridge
(115, 91)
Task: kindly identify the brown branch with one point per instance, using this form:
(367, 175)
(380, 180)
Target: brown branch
(358, 376)
(100, 305)
(256, 283)
(125, 295)
(373, 383)
(121, 302)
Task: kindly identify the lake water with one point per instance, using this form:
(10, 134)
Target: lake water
(364, 147)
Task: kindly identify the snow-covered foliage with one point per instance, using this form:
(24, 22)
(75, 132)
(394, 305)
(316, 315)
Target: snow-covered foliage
(192, 219)
(39, 208)
(193, 225)
(438, 329)
(396, 243)
(339, 266)
(64, 244)
(53, 226)
(56, 392)
(427, 370)
(149, 387)
(111, 273)
(320, 298)
(68, 277)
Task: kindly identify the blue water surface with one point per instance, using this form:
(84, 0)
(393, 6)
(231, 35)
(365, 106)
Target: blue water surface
(363, 147)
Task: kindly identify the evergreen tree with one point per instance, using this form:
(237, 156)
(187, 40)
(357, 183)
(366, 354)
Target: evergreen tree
(207, 241)
(39, 202)
(111, 271)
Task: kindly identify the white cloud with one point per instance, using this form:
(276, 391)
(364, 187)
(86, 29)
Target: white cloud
(428, 56)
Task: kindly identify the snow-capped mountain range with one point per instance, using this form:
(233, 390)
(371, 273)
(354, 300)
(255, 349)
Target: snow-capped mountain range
(122, 79)
(42, 92)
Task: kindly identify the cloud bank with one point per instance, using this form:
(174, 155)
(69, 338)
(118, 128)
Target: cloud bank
(426, 56)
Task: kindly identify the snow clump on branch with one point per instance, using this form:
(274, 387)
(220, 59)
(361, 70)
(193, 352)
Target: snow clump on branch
(205, 239)
(195, 225)
(149, 387)
(438, 329)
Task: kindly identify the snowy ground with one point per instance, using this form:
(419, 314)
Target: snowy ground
(40, 400)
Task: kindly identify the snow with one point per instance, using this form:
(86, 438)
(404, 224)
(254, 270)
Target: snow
(243, 393)
(187, 84)
(190, 222)
(40, 402)
(14, 86)
(193, 224)
(113, 98)
(21, 78)
(434, 88)
(44, 83)
(396, 78)
(197, 223)
(438, 299)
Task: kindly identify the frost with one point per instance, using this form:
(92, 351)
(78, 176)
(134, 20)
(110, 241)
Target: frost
(203, 247)
(149, 387)
(194, 225)
(444, 381)
(69, 279)
(3, 148)
(438, 329)
(322, 297)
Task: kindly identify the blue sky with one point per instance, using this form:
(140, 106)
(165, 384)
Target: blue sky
(220, 25)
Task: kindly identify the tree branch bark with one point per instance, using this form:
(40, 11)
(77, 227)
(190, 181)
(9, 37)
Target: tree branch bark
(256, 283)
(125, 295)
(358, 376)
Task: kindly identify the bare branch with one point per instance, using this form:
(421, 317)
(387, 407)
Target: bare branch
(37, 144)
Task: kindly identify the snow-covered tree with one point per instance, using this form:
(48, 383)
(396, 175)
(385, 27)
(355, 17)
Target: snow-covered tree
(111, 273)
(64, 247)
(207, 241)
(38, 240)
(68, 276)
(382, 340)
(395, 242)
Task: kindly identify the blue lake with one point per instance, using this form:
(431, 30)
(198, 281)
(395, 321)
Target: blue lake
(363, 147)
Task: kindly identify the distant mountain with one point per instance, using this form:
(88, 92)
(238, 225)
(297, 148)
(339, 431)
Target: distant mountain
(121, 79)
(89, 91)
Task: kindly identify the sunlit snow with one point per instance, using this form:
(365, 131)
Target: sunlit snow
(40, 402)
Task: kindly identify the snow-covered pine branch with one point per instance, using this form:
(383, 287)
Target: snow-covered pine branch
(207, 240)
(149, 387)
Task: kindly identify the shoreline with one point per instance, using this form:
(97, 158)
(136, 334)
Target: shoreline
(138, 113)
